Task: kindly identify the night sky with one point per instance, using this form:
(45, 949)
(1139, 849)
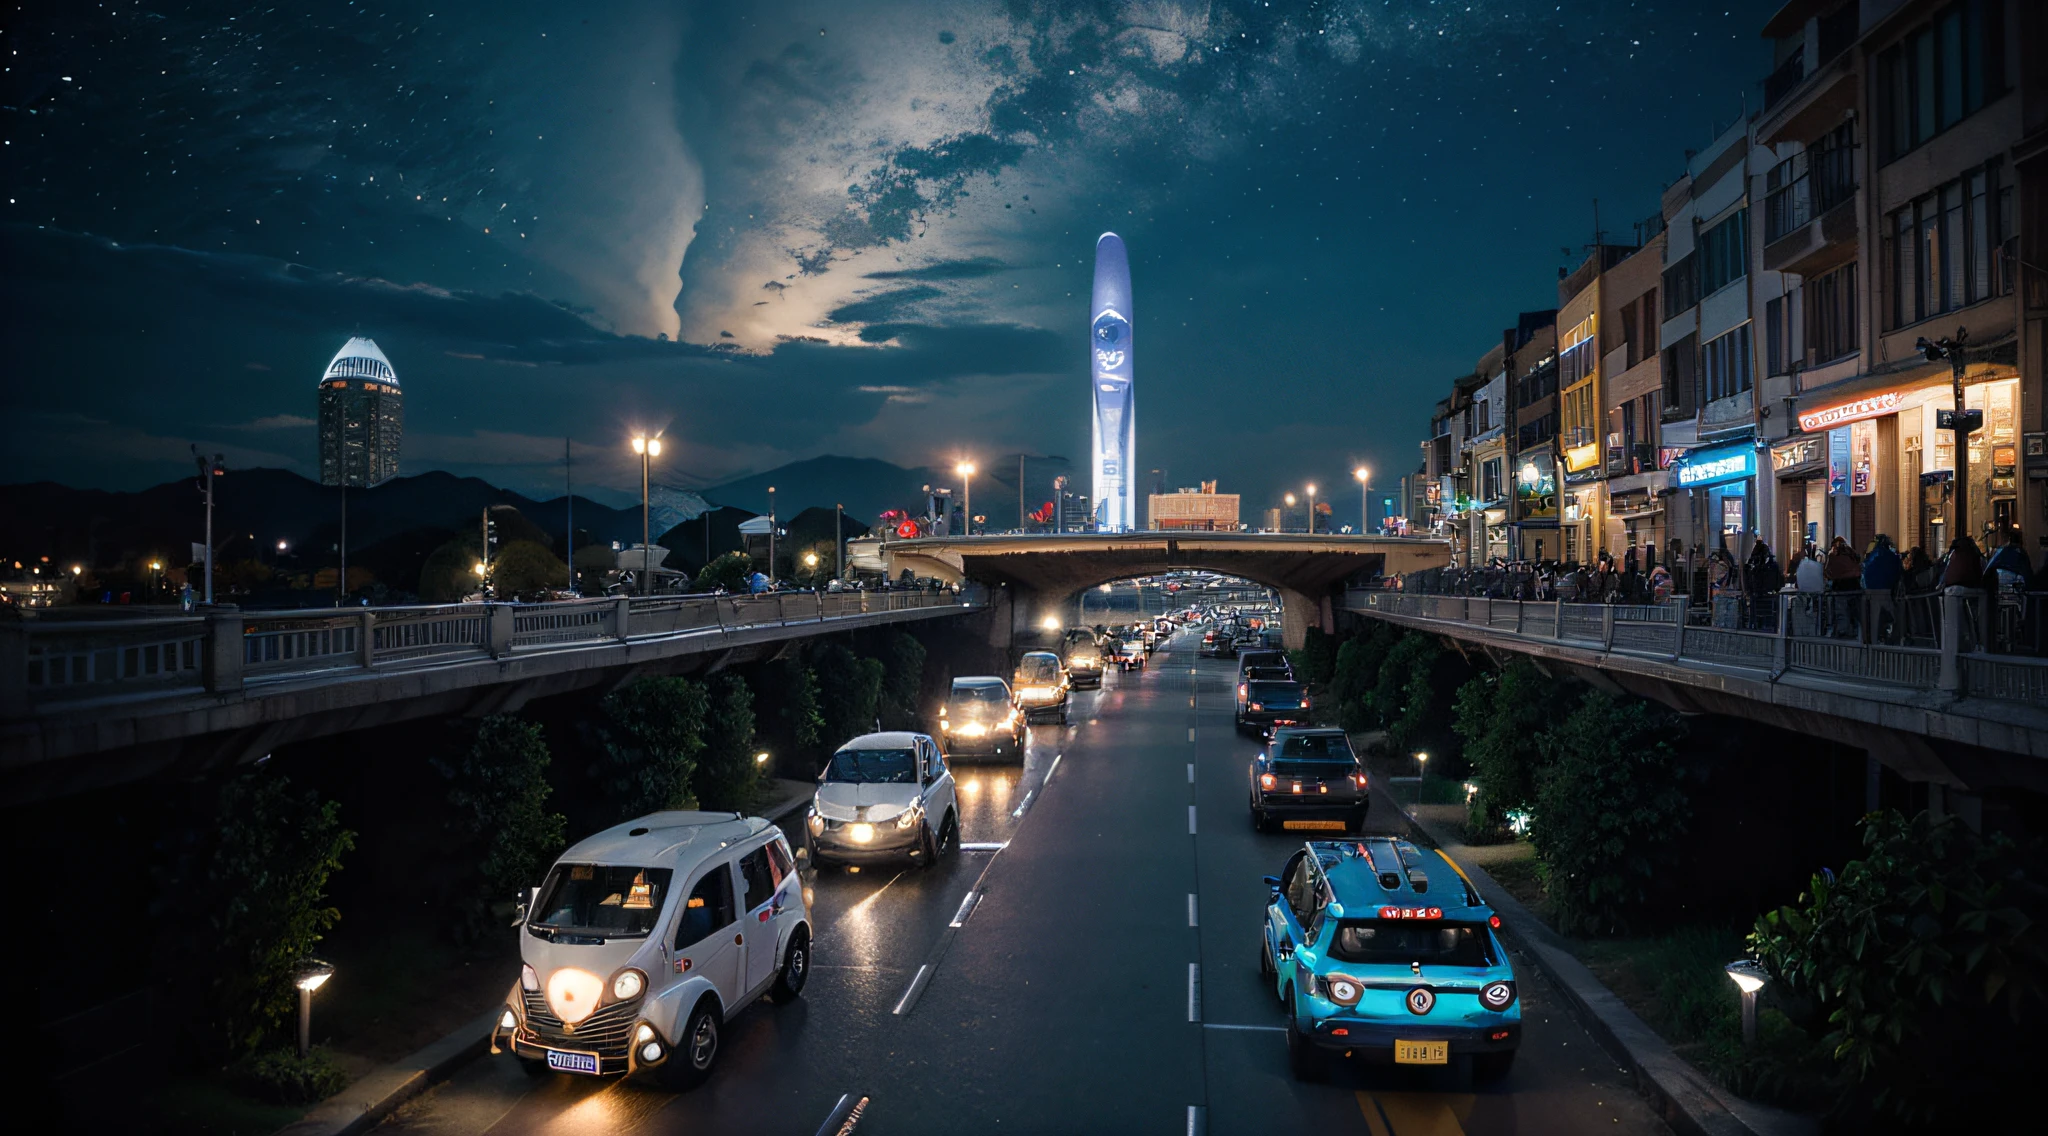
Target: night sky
(782, 229)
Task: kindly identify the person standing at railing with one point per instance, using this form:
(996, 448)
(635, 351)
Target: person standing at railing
(1964, 567)
(1844, 572)
(1724, 587)
(2012, 558)
(1882, 572)
(1762, 578)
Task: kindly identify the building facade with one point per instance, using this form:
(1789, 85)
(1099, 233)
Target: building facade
(1193, 508)
(362, 417)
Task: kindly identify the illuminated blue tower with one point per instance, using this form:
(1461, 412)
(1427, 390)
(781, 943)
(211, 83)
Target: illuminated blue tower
(1110, 365)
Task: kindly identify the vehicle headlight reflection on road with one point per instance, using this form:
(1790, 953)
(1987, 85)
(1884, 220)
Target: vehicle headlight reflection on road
(861, 833)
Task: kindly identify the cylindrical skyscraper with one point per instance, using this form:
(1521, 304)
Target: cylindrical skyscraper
(362, 417)
(1110, 367)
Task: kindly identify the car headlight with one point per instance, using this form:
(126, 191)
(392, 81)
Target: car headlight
(1497, 996)
(909, 817)
(972, 729)
(816, 822)
(861, 833)
(1255, 706)
(529, 979)
(627, 984)
(1267, 781)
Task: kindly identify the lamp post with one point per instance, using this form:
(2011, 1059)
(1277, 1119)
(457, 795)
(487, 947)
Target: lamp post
(1364, 477)
(648, 449)
(208, 470)
(1421, 765)
(771, 536)
(1749, 978)
(1289, 498)
(1311, 508)
(312, 975)
(966, 471)
(839, 541)
(1952, 348)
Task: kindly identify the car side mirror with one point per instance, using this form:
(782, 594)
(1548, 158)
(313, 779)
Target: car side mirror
(1273, 882)
(522, 905)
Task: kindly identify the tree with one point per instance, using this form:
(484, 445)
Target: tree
(448, 574)
(653, 732)
(729, 572)
(594, 562)
(849, 692)
(902, 658)
(812, 576)
(1926, 958)
(1610, 809)
(1502, 718)
(1317, 659)
(527, 566)
(499, 792)
(728, 776)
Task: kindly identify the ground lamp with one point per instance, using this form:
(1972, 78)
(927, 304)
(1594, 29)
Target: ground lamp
(761, 758)
(1749, 977)
(311, 975)
(1421, 763)
(1364, 477)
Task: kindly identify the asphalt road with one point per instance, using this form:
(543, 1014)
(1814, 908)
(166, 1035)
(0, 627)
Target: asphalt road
(1104, 978)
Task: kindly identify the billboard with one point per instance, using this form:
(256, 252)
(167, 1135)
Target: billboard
(1110, 369)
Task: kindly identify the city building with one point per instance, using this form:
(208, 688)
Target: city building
(1581, 440)
(1632, 396)
(362, 417)
(1193, 508)
(1531, 367)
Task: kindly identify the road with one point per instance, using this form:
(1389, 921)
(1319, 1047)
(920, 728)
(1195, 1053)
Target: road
(1103, 978)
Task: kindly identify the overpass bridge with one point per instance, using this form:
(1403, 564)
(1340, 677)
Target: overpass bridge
(1947, 715)
(1040, 574)
(88, 702)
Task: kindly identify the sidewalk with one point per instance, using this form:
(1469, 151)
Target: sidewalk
(1688, 1101)
(375, 1096)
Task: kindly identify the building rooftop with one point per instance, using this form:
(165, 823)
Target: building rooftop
(360, 358)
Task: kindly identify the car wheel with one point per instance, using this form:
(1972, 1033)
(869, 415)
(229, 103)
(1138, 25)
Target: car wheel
(696, 1051)
(796, 967)
(1490, 1067)
(1266, 972)
(1305, 1059)
(949, 835)
(927, 845)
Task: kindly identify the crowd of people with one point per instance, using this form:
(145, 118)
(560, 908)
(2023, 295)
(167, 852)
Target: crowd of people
(1835, 588)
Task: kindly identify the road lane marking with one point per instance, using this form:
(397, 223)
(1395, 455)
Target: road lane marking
(1191, 733)
(1023, 804)
(1053, 768)
(1194, 992)
(1191, 820)
(985, 846)
(967, 903)
(910, 993)
(1249, 1029)
(1191, 772)
(1197, 1122)
(1191, 910)
(1416, 1114)
(845, 1115)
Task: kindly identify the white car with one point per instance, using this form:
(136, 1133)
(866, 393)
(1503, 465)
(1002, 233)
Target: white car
(884, 797)
(647, 938)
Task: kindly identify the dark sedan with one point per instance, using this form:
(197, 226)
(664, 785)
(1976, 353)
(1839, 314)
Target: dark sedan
(1309, 779)
(1270, 703)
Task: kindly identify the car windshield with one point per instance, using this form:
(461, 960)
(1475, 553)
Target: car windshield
(600, 900)
(1039, 669)
(1398, 943)
(1271, 673)
(872, 767)
(1316, 747)
(974, 699)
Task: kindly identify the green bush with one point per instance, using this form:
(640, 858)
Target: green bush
(1926, 958)
(1502, 717)
(653, 732)
(849, 692)
(281, 1076)
(251, 904)
(793, 689)
(1610, 809)
(526, 566)
(728, 776)
(902, 659)
(499, 791)
(729, 571)
(1352, 678)
(1317, 660)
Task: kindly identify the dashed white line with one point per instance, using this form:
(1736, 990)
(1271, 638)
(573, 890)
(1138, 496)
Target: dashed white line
(967, 903)
(1195, 1117)
(1191, 772)
(1191, 910)
(910, 994)
(985, 846)
(1023, 804)
(1053, 768)
(1191, 733)
(1194, 992)
(1191, 820)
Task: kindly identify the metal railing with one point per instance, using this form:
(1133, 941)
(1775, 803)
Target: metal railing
(1808, 634)
(51, 662)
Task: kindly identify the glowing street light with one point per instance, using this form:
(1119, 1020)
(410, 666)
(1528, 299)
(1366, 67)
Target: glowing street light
(761, 758)
(810, 560)
(1311, 507)
(1050, 623)
(966, 471)
(1421, 763)
(1749, 977)
(312, 975)
(1364, 476)
(648, 449)
(1289, 498)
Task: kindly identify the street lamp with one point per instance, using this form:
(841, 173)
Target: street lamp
(771, 535)
(761, 758)
(1749, 978)
(1050, 623)
(311, 975)
(1364, 477)
(648, 449)
(1289, 498)
(1311, 508)
(1421, 764)
(1952, 349)
(966, 471)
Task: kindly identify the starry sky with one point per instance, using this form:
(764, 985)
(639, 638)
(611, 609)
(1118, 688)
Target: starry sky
(788, 228)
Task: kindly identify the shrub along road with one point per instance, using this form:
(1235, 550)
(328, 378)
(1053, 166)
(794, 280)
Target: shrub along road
(1105, 981)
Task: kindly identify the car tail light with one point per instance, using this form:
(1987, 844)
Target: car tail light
(1340, 1031)
(1304, 702)
(1497, 996)
(1498, 1035)
(1493, 921)
(1240, 690)
(1358, 780)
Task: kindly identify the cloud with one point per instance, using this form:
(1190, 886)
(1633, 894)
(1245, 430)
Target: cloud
(970, 268)
(278, 422)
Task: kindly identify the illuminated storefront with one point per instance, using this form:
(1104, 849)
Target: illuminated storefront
(1722, 480)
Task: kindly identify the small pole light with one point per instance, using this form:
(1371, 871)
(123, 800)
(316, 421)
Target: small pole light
(312, 975)
(1421, 763)
(761, 758)
(1749, 977)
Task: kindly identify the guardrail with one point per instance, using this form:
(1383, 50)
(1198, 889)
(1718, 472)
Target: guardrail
(1799, 643)
(45, 663)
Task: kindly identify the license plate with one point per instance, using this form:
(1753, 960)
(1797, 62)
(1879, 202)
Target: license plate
(569, 1061)
(1313, 825)
(1422, 1052)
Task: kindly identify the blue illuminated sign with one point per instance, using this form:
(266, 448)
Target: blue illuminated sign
(1714, 466)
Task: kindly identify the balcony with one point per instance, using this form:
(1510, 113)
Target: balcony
(1785, 79)
(1810, 215)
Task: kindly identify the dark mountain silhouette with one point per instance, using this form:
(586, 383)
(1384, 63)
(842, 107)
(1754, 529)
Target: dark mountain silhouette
(868, 487)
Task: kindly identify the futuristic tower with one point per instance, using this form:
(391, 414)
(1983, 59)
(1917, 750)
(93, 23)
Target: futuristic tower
(1110, 365)
(362, 417)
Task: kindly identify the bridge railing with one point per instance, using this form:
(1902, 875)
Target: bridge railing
(1952, 662)
(52, 662)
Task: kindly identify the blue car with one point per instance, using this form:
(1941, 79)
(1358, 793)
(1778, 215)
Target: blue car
(1383, 952)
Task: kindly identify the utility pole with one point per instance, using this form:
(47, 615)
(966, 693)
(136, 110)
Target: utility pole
(1954, 349)
(569, 500)
(341, 578)
(771, 535)
(1020, 492)
(839, 541)
(207, 472)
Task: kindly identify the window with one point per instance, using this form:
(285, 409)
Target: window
(759, 877)
(1724, 253)
(1575, 359)
(1941, 73)
(1945, 250)
(1681, 286)
(1578, 416)
(708, 910)
(1681, 377)
(600, 900)
(1489, 480)
(1777, 336)
(1831, 315)
(778, 859)
(1724, 364)
(1536, 433)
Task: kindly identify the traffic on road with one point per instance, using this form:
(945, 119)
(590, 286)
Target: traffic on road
(1039, 918)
